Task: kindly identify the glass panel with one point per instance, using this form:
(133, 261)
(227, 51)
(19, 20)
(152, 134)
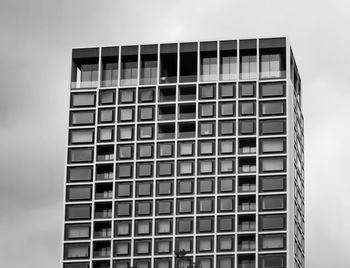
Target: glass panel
(109, 65)
(85, 68)
(208, 61)
(228, 60)
(148, 72)
(129, 58)
(168, 63)
(188, 62)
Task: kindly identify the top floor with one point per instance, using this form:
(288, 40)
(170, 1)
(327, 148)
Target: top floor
(151, 64)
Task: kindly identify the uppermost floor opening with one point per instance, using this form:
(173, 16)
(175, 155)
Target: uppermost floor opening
(224, 60)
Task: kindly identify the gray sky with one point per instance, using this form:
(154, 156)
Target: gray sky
(36, 40)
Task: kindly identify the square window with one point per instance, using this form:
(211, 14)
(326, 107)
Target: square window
(126, 95)
(106, 115)
(185, 168)
(205, 224)
(144, 188)
(227, 91)
(226, 147)
(227, 109)
(124, 171)
(163, 246)
(207, 128)
(227, 165)
(143, 227)
(145, 150)
(204, 244)
(185, 149)
(105, 134)
(226, 224)
(164, 207)
(185, 187)
(206, 147)
(146, 94)
(205, 205)
(142, 247)
(164, 188)
(145, 132)
(122, 228)
(107, 97)
(207, 91)
(125, 133)
(125, 151)
(226, 204)
(143, 208)
(184, 244)
(145, 169)
(123, 190)
(247, 90)
(226, 243)
(205, 186)
(146, 113)
(121, 264)
(164, 226)
(122, 248)
(164, 169)
(206, 167)
(123, 209)
(207, 110)
(226, 185)
(184, 206)
(226, 127)
(126, 114)
(247, 127)
(163, 263)
(165, 149)
(184, 225)
(247, 108)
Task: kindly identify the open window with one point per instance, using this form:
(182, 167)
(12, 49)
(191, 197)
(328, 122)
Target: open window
(248, 64)
(85, 68)
(188, 62)
(228, 60)
(208, 61)
(109, 66)
(272, 58)
(149, 57)
(168, 63)
(129, 58)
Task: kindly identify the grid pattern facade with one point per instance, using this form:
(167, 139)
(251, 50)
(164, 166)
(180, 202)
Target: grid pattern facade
(185, 155)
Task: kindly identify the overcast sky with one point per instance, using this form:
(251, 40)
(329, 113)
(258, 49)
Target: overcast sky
(36, 41)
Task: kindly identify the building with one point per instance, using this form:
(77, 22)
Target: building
(185, 155)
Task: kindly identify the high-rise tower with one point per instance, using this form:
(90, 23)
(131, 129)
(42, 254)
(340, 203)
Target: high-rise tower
(185, 155)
